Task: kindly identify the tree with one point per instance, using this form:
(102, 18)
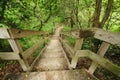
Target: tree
(96, 16)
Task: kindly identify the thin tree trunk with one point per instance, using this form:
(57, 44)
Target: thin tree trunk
(107, 13)
(96, 16)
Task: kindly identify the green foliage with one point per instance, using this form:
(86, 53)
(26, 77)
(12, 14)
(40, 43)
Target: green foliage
(115, 28)
(28, 42)
(40, 48)
(49, 27)
(67, 28)
(71, 41)
(5, 46)
(86, 44)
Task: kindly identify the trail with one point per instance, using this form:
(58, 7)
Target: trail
(53, 65)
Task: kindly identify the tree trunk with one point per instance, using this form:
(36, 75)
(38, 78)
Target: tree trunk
(96, 16)
(107, 13)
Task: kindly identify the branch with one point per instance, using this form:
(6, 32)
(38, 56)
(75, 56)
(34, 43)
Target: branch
(107, 12)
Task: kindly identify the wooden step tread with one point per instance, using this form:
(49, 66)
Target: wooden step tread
(59, 54)
(55, 75)
(45, 64)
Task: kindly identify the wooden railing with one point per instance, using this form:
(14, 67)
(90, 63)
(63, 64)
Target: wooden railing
(13, 35)
(107, 37)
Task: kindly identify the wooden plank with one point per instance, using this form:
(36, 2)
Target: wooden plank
(4, 33)
(69, 49)
(9, 55)
(110, 37)
(31, 50)
(69, 35)
(74, 61)
(99, 60)
(78, 44)
(17, 48)
(61, 41)
(102, 50)
(18, 33)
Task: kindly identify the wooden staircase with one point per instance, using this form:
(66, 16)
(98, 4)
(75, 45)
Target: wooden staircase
(52, 65)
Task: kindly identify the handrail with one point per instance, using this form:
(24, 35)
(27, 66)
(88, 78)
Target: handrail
(107, 38)
(70, 35)
(32, 49)
(97, 59)
(110, 37)
(4, 34)
(67, 47)
(10, 55)
(18, 33)
(12, 35)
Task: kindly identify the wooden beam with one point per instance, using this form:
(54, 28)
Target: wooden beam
(4, 33)
(70, 35)
(68, 48)
(102, 50)
(18, 33)
(31, 50)
(97, 59)
(17, 48)
(78, 44)
(9, 55)
(110, 37)
(107, 36)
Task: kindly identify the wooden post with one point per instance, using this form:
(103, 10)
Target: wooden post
(16, 47)
(103, 48)
(97, 59)
(78, 44)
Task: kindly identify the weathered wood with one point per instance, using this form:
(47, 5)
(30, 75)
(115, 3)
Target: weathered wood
(110, 37)
(9, 55)
(18, 33)
(31, 50)
(74, 61)
(78, 74)
(78, 44)
(4, 33)
(17, 48)
(70, 35)
(62, 44)
(107, 36)
(102, 50)
(67, 47)
(97, 59)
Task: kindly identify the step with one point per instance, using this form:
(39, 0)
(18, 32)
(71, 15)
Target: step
(52, 46)
(58, 54)
(54, 75)
(46, 64)
(53, 50)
